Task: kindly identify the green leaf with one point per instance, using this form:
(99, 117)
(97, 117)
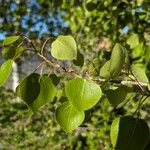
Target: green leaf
(47, 93)
(12, 52)
(138, 51)
(104, 71)
(68, 117)
(128, 133)
(133, 41)
(147, 53)
(117, 60)
(64, 48)
(36, 91)
(55, 79)
(83, 94)
(139, 72)
(29, 88)
(94, 67)
(117, 95)
(5, 70)
(9, 40)
(80, 60)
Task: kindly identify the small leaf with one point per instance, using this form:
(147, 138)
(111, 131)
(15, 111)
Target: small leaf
(68, 117)
(133, 41)
(128, 133)
(9, 40)
(117, 96)
(36, 91)
(83, 94)
(5, 70)
(64, 48)
(104, 71)
(139, 71)
(117, 60)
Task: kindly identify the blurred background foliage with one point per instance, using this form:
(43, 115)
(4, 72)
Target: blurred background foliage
(96, 25)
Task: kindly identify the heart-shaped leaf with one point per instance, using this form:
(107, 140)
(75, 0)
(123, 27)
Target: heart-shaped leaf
(5, 71)
(64, 48)
(36, 91)
(68, 117)
(11, 39)
(128, 133)
(83, 94)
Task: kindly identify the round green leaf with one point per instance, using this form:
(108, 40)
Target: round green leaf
(128, 133)
(64, 48)
(5, 70)
(36, 91)
(11, 39)
(83, 94)
(68, 117)
(139, 71)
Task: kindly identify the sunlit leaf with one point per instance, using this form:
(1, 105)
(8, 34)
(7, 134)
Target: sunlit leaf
(133, 41)
(68, 117)
(117, 60)
(128, 133)
(83, 94)
(5, 70)
(64, 48)
(94, 67)
(104, 71)
(11, 39)
(139, 72)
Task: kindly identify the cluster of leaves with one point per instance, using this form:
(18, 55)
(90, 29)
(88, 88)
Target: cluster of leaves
(81, 93)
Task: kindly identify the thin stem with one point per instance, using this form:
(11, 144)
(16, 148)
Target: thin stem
(140, 104)
(44, 44)
(139, 84)
(39, 65)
